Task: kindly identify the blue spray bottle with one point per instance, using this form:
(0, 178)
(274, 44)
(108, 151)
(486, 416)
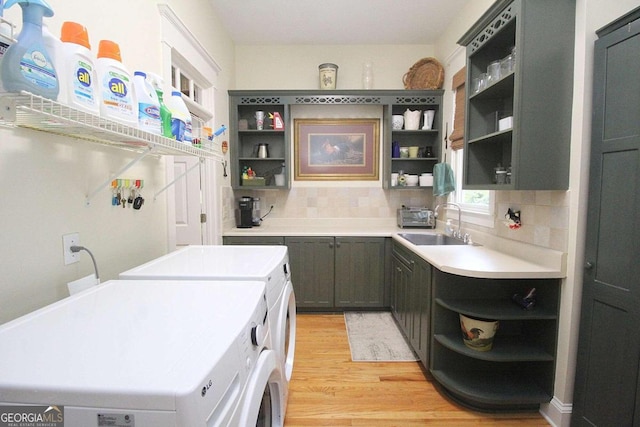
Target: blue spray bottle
(27, 65)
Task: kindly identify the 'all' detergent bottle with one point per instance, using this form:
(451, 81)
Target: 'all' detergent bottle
(77, 71)
(117, 97)
(27, 65)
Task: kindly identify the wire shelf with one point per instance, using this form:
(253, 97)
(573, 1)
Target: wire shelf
(35, 112)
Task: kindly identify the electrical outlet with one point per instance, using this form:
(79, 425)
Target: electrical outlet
(69, 240)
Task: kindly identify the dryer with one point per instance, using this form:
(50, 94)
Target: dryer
(146, 354)
(269, 264)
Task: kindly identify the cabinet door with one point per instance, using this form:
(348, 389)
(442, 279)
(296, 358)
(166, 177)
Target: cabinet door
(609, 344)
(359, 273)
(420, 310)
(402, 273)
(312, 270)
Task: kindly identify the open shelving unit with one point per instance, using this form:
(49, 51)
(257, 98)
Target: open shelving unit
(537, 94)
(518, 372)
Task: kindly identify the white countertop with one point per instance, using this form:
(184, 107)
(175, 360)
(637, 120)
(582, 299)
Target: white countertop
(493, 258)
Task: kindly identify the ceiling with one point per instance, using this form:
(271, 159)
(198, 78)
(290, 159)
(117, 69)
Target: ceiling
(347, 22)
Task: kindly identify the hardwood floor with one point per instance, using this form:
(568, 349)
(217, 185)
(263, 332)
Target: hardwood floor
(328, 389)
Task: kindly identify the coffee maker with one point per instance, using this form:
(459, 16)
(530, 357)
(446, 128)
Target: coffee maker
(244, 213)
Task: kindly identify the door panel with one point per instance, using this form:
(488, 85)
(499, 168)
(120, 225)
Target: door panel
(188, 202)
(606, 382)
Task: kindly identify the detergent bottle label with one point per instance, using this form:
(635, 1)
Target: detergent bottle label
(83, 85)
(37, 68)
(149, 116)
(116, 94)
(178, 128)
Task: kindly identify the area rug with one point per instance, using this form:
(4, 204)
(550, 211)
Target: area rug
(375, 337)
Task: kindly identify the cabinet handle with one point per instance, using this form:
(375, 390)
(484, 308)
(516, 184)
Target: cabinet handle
(337, 244)
(589, 265)
(331, 245)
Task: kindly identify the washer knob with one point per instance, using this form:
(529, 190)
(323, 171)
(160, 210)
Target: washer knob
(257, 335)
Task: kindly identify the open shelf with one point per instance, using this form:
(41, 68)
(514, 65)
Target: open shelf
(493, 390)
(505, 349)
(35, 112)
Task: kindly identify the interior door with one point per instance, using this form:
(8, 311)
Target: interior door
(188, 201)
(609, 342)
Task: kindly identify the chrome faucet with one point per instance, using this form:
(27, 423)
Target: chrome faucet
(457, 234)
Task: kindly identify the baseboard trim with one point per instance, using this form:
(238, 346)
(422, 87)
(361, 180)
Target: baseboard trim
(558, 414)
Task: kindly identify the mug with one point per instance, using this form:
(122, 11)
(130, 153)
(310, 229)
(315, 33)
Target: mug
(397, 121)
(259, 120)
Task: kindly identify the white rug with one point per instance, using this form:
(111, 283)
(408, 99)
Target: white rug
(375, 337)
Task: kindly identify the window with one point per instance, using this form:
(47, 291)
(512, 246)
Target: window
(476, 205)
(195, 77)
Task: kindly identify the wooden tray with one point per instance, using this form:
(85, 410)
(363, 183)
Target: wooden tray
(427, 73)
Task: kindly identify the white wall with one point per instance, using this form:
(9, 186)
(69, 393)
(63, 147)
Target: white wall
(45, 177)
(296, 66)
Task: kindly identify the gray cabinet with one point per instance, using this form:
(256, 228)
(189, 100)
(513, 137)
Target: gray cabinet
(410, 305)
(337, 272)
(518, 372)
(607, 385)
(428, 140)
(359, 272)
(245, 139)
(536, 92)
(312, 263)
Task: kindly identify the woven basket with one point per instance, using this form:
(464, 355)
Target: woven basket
(427, 73)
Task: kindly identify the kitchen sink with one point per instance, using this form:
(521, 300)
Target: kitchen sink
(430, 239)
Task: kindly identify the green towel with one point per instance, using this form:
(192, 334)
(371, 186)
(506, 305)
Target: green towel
(443, 179)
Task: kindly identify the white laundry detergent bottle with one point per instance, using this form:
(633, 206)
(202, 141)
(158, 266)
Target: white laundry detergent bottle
(180, 117)
(148, 105)
(26, 65)
(77, 70)
(6, 37)
(117, 96)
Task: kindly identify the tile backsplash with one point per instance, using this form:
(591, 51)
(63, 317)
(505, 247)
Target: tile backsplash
(545, 214)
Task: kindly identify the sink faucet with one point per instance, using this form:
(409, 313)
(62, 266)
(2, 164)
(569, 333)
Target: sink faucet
(457, 234)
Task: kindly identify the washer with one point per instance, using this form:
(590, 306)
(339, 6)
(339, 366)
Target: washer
(269, 264)
(147, 354)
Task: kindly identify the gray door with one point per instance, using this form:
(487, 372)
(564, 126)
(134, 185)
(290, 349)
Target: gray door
(609, 343)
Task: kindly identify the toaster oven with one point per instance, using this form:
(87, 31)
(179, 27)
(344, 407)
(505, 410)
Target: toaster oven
(416, 218)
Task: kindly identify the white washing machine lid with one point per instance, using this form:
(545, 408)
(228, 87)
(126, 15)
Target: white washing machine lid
(213, 262)
(127, 344)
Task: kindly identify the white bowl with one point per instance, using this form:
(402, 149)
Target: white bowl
(412, 180)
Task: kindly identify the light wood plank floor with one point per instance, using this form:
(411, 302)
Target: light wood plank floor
(328, 389)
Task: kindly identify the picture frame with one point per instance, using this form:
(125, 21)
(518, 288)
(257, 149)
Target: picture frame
(336, 149)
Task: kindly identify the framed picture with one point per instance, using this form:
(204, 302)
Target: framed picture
(336, 149)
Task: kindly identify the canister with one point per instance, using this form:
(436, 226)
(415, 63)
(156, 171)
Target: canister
(328, 76)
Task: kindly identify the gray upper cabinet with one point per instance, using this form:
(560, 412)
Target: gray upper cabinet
(245, 138)
(535, 91)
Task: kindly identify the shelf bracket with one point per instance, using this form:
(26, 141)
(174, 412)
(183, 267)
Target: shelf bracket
(176, 179)
(115, 175)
